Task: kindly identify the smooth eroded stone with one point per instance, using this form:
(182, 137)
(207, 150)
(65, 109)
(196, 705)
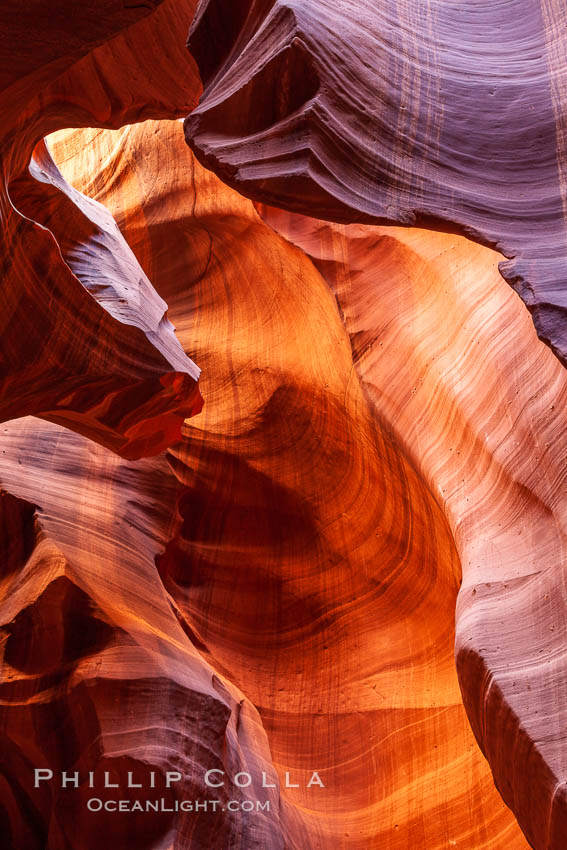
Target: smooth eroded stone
(442, 114)
(313, 562)
(85, 339)
(98, 673)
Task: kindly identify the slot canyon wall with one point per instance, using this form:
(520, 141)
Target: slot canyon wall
(282, 480)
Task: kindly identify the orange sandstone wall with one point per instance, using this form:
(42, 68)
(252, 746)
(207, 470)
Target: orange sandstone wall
(339, 547)
(313, 561)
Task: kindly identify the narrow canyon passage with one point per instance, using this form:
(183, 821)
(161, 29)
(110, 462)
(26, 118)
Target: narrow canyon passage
(283, 496)
(338, 632)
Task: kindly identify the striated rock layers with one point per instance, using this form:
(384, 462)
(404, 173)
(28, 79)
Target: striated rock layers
(84, 340)
(312, 560)
(98, 672)
(448, 114)
(484, 421)
(267, 586)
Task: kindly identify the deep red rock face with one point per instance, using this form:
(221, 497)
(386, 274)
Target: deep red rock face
(85, 338)
(349, 561)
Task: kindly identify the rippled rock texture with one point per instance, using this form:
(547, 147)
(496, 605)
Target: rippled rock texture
(444, 113)
(85, 341)
(267, 584)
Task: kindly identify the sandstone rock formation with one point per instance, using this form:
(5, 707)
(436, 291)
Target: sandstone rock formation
(443, 114)
(268, 585)
(98, 674)
(487, 436)
(308, 530)
(85, 341)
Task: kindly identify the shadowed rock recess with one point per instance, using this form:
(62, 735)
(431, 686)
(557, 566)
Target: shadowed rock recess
(282, 478)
